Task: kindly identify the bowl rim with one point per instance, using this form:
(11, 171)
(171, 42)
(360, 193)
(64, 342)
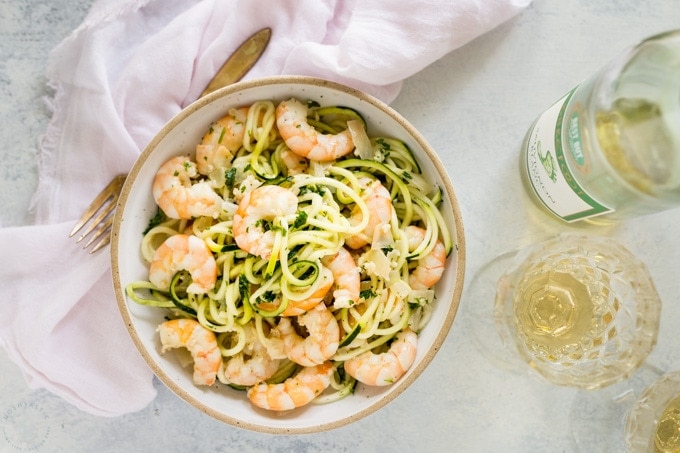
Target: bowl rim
(458, 240)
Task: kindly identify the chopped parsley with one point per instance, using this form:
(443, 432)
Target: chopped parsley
(244, 287)
(155, 221)
(268, 296)
(367, 294)
(266, 225)
(300, 220)
(312, 188)
(230, 177)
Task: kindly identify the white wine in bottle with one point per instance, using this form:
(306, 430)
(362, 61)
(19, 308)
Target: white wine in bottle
(610, 148)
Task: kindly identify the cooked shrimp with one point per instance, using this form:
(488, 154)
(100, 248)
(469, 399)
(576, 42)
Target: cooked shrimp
(221, 142)
(201, 343)
(295, 391)
(346, 276)
(294, 163)
(245, 185)
(178, 197)
(264, 203)
(296, 308)
(380, 210)
(321, 342)
(304, 140)
(184, 252)
(386, 368)
(430, 268)
(258, 367)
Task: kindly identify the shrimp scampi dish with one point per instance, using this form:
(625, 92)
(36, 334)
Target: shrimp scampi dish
(295, 254)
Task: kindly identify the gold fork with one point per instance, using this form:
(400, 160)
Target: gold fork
(103, 206)
(233, 70)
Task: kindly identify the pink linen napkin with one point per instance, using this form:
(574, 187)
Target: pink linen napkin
(119, 78)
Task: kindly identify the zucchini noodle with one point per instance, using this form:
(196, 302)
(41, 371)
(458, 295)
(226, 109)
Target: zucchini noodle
(253, 292)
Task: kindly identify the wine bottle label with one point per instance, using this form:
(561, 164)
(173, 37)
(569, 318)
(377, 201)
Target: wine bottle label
(548, 169)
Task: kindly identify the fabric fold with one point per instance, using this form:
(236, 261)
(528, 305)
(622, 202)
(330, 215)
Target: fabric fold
(118, 78)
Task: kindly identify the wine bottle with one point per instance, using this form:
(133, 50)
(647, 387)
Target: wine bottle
(610, 148)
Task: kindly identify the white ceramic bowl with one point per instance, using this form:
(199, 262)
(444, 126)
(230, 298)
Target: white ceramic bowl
(136, 206)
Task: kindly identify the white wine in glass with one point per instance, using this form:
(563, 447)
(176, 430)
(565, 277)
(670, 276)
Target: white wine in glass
(653, 423)
(580, 310)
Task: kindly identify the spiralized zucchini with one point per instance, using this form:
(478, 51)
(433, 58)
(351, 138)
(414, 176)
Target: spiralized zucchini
(253, 293)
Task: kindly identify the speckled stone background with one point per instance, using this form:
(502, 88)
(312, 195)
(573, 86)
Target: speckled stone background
(29, 29)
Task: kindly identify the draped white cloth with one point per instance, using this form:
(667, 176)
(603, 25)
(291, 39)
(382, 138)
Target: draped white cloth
(119, 78)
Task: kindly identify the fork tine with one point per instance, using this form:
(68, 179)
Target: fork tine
(105, 231)
(103, 228)
(105, 211)
(112, 189)
(105, 240)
